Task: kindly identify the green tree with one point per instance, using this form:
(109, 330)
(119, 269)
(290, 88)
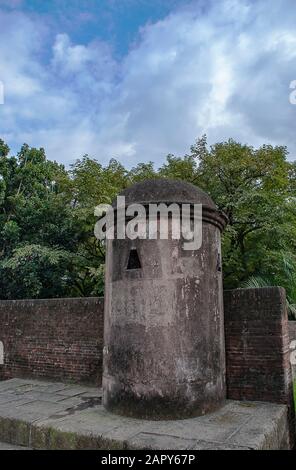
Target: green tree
(47, 244)
(36, 226)
(254, 187)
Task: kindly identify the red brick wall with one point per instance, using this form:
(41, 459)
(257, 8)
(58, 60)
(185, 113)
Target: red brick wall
(62, 339)
(59, 339)
(257, 347)
(257, 344)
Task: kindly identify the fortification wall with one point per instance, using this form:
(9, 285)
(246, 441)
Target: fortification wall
(258, 347)
(60, 339)
(257, 344)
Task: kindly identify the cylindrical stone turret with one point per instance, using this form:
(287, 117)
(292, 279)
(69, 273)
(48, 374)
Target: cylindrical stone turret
(164, 332)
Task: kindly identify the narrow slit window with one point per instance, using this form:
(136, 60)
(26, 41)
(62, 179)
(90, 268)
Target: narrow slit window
(133, 260)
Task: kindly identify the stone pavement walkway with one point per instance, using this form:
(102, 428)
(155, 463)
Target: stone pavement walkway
(50, 415)
(4, 446)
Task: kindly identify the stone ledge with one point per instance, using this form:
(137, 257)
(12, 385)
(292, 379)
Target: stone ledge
(54, 415)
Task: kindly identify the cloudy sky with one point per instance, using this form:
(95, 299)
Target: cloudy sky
(137, 79)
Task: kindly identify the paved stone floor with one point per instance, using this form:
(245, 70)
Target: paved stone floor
(39, 414)
(5, 446)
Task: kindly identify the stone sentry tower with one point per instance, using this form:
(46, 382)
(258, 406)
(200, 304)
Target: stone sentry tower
(164, 352)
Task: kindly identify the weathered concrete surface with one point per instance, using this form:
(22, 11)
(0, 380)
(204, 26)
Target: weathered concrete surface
(164, 353)
(5, 446)
(47, 415)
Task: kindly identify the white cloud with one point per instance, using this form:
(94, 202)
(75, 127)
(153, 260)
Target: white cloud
(94, 60)
(224, 70)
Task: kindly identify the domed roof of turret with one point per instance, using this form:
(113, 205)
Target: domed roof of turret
(166, 190)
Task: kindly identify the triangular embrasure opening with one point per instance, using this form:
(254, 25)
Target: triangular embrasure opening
(133, 260)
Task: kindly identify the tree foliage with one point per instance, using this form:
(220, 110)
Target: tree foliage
(47, 246)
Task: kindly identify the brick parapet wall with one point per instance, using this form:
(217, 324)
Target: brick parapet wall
(59, 339)
(62, 339)
(257, 346)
